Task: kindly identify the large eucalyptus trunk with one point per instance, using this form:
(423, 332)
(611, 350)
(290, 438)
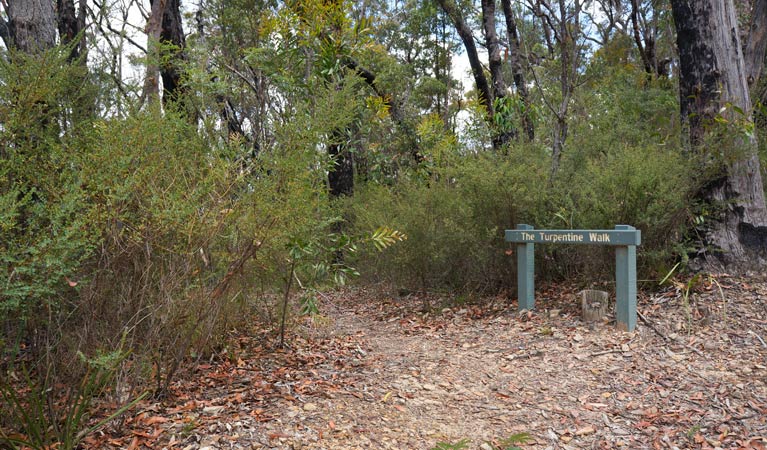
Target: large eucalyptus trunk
(172, 35)
(31, 25)
(713, 85)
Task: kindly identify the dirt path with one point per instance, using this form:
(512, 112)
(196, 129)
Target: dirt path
(379, 374)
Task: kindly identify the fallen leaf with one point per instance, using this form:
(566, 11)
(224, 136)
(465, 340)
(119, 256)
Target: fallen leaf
(154, 420)
(133, 444)
(585, 431)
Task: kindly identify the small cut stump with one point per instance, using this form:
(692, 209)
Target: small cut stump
(593, 305)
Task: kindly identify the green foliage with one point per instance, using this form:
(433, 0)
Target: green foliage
(455, 218)
(142, 223)
(385, 237)
(39, 418)
(134, 227)
(462, 444)
(631, 185)
(44, 236)
(508, 443)
(322, 262)
(508, 110)
(164, 208)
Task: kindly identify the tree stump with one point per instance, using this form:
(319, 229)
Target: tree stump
(593, 305)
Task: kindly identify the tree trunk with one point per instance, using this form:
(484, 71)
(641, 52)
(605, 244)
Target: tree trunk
(485, 96)
(568, 54)
(546, 28)
(151, 90)
(558, 144)
(713, 76)
(341, 176)
(493, 48)
(172, 38)
(645, 43)
(71, 24)
(31, 25)
(517, 70)
(504, 129)
(756, 43)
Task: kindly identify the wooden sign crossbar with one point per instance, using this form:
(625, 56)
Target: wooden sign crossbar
(624, 238)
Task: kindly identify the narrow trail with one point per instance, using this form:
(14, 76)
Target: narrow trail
(376, 373)
(485, 377)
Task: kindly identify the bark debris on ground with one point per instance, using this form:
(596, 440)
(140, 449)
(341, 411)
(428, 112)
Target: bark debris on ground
(375, 371)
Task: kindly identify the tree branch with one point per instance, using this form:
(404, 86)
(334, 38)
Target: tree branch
(471, 51)
(394, 106)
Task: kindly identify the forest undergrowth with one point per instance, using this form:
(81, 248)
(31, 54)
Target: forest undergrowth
(379, 369)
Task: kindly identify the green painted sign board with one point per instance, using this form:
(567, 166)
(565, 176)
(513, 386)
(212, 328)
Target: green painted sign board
(624, 238)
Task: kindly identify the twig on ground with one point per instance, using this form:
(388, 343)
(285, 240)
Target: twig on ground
(652, 326)
(693, 349)
(758, 337)
(605, 352)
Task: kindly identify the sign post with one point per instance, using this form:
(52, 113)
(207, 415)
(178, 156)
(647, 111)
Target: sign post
(526, 271)
(624, 238)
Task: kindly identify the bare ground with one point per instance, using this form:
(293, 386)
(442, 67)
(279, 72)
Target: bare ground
(376, 372)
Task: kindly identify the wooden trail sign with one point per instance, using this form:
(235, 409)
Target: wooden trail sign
(624, 238)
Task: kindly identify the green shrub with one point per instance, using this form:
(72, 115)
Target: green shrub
(42, 417)
(455, 219)
(646, 187)
(136, 228)
(622, 164)
(44, 232)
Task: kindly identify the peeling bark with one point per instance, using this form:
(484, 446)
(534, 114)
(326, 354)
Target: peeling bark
(31, 25)
(172, 36)
(755, 47)
(493, 48)
(153, 30)
(713, 74)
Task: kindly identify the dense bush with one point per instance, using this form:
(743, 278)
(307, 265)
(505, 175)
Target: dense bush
(622, 165)
(454, 221)
(45, 232)
(136, 234)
